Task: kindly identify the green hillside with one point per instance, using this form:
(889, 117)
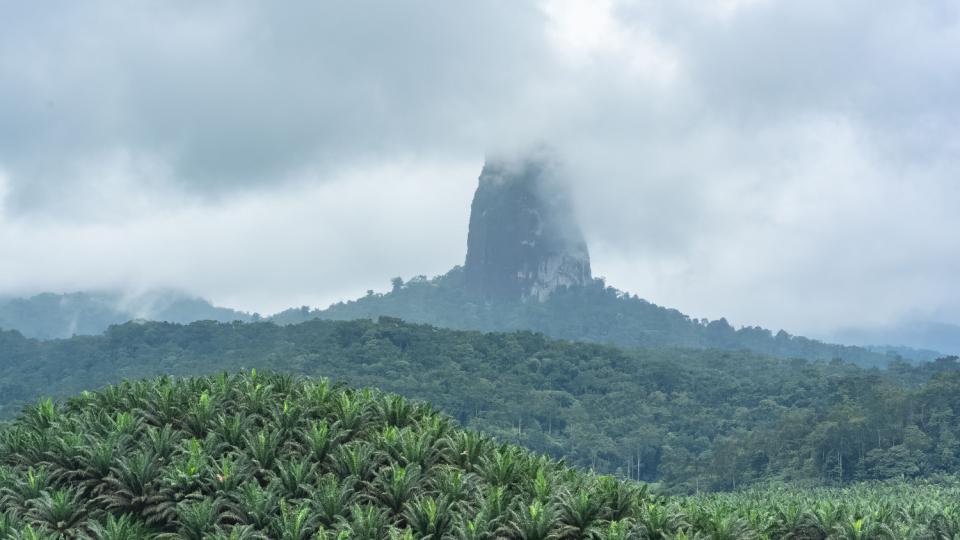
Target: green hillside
(593, 313)
(687, 418)
(267, 456)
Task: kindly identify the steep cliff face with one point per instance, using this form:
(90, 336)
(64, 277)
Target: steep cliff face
(524, 241)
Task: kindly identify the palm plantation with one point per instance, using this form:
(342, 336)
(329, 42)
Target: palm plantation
(253, 456)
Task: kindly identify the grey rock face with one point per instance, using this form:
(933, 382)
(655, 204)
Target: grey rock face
(524, 241)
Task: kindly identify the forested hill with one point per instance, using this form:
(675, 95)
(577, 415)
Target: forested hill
(51, 316)
(593, 313)
(688, 418)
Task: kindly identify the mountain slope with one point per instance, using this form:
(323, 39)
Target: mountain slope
(51, 316)
(592, 312)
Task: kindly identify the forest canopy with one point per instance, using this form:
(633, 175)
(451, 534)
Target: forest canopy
(689, 419)
(593, 312)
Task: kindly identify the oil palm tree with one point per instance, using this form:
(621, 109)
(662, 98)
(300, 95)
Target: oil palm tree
(61, 511)
(196, 520)
(862, 529)
(332, 499)
(430, 518)
(124, 527)
(366, 522)
(395, 485)
(294, 522)
(536, 521)
(579, 513)
(357, 460)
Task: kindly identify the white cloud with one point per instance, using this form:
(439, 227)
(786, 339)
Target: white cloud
(779, 163)
(587, 32)
(816, 232)
(264, 250)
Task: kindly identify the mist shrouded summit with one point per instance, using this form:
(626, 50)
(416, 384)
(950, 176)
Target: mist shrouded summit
(524, 241)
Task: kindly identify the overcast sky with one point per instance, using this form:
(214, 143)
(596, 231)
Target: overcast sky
(792, 164)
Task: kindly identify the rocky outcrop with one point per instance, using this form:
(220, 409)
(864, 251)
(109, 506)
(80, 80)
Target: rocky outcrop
(524, 240)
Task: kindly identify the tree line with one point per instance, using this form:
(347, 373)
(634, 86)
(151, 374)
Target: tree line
(689, 419)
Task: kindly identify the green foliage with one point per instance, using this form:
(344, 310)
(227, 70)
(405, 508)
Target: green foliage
(688, 419)
(179, 479)
(593, 313)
